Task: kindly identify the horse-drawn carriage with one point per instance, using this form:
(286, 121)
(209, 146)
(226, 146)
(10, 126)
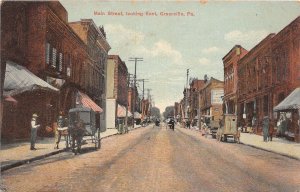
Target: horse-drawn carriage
(82, 128)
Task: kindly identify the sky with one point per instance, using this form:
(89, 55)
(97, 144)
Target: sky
(170, 44)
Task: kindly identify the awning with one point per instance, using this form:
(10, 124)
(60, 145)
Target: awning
(292, 101)
(122, 111)
(19, 79)
(86, 101)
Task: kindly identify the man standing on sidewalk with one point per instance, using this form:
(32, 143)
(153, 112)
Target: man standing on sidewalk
(59, 129)
(34, 127)
(266, 128)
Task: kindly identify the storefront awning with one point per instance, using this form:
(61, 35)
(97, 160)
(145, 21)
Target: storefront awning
(19, 79)
(86, 101)
(292, 101)
(122, 111)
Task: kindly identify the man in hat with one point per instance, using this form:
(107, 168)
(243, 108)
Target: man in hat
(34, 127)
(59, 129)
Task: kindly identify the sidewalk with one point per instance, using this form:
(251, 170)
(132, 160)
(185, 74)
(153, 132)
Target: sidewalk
(16, 154)
(277, 145)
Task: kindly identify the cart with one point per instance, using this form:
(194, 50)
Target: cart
(229, 129)
(82, 128)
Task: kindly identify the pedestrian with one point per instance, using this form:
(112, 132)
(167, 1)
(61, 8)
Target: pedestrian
(238, 135)
(34, 127)
(271, 130)
(188, 124)
(59, 129)
(265, 128)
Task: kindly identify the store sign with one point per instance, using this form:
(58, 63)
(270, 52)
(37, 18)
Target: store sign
(216, 96)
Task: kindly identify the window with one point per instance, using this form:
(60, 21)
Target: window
(60, 62)
(48, 53)
(54, 52)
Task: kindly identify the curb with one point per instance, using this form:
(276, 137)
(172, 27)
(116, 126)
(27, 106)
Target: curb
(271, 151)
(26, 161)
(30, 160)
(268, 150)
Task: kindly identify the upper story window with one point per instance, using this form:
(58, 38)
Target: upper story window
(48, 47)
(54, 57)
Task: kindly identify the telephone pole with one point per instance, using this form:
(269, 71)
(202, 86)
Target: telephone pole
(186, 94)
(135, 59)
(144, 80)
(127, 105)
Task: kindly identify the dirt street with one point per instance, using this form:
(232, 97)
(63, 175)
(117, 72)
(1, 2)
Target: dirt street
(156, 159)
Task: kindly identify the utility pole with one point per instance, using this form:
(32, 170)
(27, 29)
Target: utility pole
(127, 105)
(135, 59)
(186, 94)
(144, 80)
(142, 104)
(149, 99)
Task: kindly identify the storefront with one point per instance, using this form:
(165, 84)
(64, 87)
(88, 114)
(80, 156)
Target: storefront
(288, 112)
(26, 94)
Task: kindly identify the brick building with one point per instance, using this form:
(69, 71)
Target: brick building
(268, 73)
(95, 63)
(230, 61)
(211, 96)
(116, 88)
(97, 49)
(39, 38)
(195, 87)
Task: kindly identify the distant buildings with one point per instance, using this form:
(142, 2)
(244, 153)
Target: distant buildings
(211, 95)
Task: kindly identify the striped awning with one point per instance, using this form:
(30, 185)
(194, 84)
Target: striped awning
(86, 101)
(122, 111)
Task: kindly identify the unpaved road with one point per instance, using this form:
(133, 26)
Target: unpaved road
(156, 159)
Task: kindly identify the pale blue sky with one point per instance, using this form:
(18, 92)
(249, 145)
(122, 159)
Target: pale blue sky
(170, 45)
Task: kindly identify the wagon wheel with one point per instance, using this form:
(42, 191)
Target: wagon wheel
(97, 140)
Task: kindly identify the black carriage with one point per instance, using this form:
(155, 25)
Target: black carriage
(82, 128)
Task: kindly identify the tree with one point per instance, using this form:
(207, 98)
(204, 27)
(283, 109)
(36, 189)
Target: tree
(169, 111)
(155, 112)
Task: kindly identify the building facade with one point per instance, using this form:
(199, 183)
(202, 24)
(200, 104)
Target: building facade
(230, 61)
(116, 88)
(267, 74)
(195, 87)
(40, 39)
(211, 98)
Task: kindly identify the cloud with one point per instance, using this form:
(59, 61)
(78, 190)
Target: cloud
(126, 41)
(204, 61)
(247, 39)
(124, 36)
(210, 50)
(163, 49)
